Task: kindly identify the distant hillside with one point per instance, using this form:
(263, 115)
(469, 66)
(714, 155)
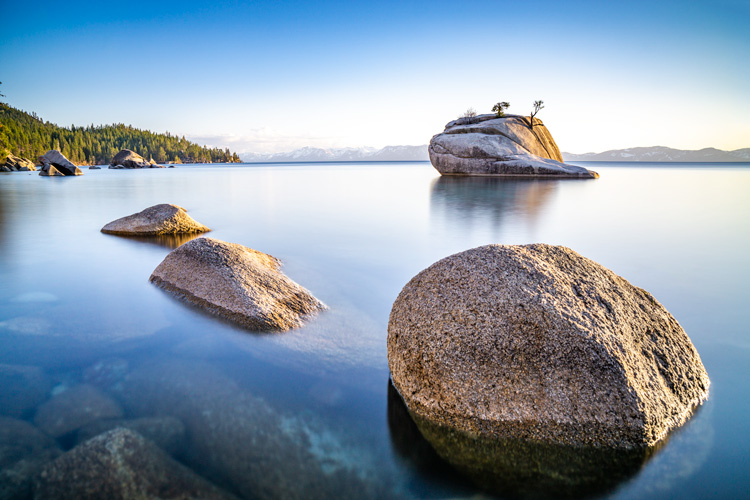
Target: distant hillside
(660, 153)
(388, 153)
(28, 136)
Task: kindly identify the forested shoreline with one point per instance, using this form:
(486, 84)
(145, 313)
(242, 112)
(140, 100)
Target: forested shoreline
(28, 136)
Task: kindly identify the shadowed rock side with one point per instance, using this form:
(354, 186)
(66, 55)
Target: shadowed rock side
(237, 283)
(488, 145)
(121, 464)
(158, 220)
(537, 342)
(54, 163)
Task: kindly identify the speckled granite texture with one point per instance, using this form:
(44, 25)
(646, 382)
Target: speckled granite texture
(538, 342)
(237, 283)
(156, 220)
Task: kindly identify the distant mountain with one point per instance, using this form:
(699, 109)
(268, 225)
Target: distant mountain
(660, 153)
(388, 153)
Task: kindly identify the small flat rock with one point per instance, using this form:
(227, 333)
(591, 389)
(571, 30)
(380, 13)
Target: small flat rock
(537, 342)
(155, 221)
(237, 283)
(75, 408)
(121, 464)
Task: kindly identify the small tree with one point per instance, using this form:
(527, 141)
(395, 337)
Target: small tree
(500, 108)
(538, 105)
(469, 113)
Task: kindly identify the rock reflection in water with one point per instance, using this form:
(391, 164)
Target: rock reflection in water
(170, 241)
(471, 198)
(509, 467)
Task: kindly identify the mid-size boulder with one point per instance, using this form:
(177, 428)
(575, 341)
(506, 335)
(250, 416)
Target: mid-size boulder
(130, 159)
(537, 342)
(17, 164)
(506, 146)
(74, 408)
(157, 220)
(121, 464)
(24, 450)
(237, 283)
(53, 160)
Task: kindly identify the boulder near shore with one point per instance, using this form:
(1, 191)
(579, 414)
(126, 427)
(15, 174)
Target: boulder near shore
(157, 220)
(54, 163)
(16, 164)
(537, 342)
(237, 283)
(503, 146)
(130, 159)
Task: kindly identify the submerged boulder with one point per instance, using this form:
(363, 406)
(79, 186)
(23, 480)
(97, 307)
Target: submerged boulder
(508, 146)
(17, 164)
(130, 159)
(74, 408)
(24, 450)
(157, 220)
(537, 342)
(54, 160)
(237, 283)
(121, 464)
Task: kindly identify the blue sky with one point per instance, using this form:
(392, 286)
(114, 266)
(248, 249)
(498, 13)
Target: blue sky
(273, 76)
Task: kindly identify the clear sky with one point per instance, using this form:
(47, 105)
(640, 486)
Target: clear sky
(269, 76)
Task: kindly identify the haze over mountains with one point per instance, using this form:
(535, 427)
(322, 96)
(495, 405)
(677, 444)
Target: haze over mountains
(388, 153)
(419, 153)
(661, 153)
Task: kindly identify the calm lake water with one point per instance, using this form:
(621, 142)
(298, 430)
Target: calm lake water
(309, 413)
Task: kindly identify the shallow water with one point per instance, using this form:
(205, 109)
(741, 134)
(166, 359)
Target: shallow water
(77, 306)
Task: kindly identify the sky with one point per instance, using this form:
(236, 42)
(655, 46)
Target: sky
(272, 76)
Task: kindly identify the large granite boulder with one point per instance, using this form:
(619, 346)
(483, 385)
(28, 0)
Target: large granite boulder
(157, 220)
(16, 164)
(130, 159)
(53, 160)
(168, 433)
(536, 342)
(74, 408)
(121, 464)
(237, 283)
(488, 145)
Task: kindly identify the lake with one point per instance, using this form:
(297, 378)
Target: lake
(310, 413)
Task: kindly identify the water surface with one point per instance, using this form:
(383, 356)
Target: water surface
(77, 306)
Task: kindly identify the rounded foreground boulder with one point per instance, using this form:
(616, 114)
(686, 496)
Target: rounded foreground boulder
(537, 342)
(237, 283)
(156, 221)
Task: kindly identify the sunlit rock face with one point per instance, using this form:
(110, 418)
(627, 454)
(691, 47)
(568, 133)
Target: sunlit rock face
(158, 220)
(130, 159)
(507, 146)
(237, 283)
(55, 163)
(536, 342)
(16, 164)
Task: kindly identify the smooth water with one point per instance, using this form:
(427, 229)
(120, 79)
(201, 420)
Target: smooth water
(309, 412)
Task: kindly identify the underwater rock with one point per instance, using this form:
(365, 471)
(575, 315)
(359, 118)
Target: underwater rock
(24, 450)
(240, 442)
(237, 283)
(74, 408)
(537, 342)
(156, 220)
(168, 433)
(507, 146)
(121, 464)
(22, 388)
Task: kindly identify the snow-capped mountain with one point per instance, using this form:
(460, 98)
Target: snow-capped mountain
(388, 153)
(660, 153)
